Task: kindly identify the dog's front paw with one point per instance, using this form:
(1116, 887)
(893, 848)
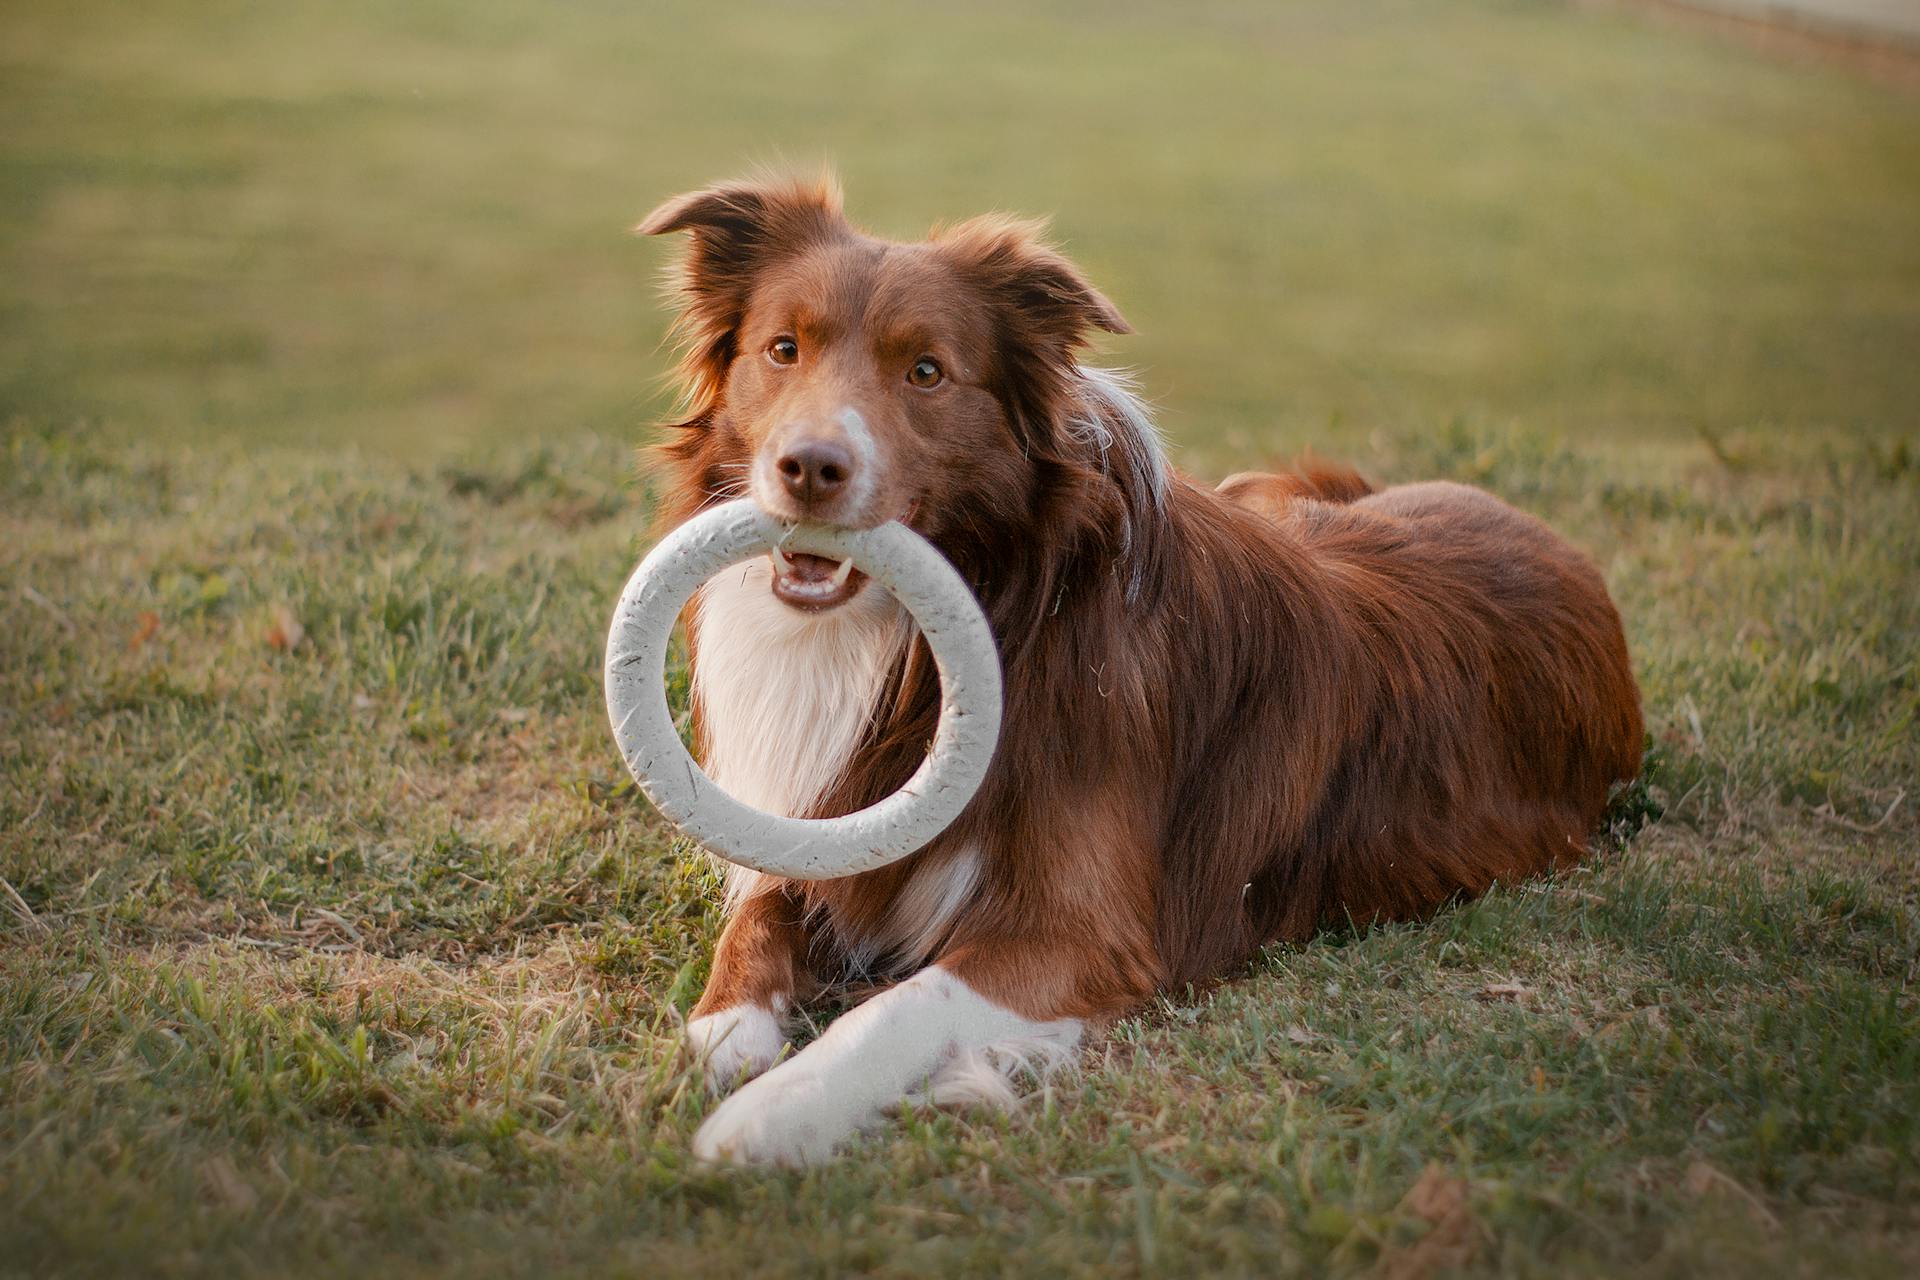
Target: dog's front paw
(735, 1043)
(784, 1119)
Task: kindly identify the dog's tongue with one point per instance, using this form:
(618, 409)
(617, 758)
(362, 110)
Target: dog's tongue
(808, 568)
(814, 583)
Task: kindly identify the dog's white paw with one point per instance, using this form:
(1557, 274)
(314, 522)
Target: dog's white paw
(734, 1043)
(784, 1119)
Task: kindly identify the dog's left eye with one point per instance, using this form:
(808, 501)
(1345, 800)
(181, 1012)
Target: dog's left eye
(925, 373)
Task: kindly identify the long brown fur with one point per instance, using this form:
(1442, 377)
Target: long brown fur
(1232, 717)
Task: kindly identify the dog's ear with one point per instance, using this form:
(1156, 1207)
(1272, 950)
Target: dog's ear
(1039, 291)
(738, 229)
(1044, 308)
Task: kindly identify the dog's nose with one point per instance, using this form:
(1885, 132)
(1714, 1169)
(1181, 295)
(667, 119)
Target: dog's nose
(815, 470)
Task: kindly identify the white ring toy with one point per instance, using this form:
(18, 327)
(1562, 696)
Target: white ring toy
(803, 848)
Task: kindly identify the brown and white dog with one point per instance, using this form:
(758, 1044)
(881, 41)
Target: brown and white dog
(1232, 715)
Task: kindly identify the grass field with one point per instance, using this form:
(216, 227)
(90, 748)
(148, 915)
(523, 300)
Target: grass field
(332, 936)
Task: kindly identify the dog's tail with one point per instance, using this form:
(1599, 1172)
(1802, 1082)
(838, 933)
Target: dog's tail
(1271, 492)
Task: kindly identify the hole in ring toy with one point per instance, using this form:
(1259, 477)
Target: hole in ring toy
(803, 848)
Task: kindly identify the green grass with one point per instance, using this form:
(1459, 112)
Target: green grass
(363, 953)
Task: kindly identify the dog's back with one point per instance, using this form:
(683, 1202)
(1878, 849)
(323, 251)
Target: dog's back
(1490, 715)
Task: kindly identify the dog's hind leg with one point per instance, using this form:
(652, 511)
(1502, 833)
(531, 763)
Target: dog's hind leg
(1271, 492)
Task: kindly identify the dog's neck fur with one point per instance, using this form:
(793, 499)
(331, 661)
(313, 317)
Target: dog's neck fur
(785, 698)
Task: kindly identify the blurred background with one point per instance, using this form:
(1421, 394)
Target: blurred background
(404, 227)
(332, 930)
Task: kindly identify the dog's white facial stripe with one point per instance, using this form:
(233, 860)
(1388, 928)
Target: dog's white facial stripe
(784, 695)
(866, 455)
(769, 490)
(893, 1048)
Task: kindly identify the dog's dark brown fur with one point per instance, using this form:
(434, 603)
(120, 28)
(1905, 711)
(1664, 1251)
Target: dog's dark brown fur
(1232, 716)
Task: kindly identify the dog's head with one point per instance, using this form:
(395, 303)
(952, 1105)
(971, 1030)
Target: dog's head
(846, 380)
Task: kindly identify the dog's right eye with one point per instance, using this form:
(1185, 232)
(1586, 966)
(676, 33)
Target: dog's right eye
(783, 351)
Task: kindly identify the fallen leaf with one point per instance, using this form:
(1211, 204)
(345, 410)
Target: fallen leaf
(285, 632)
(1703, 1180)
(1440, 1199)
(1435, 1196)
(144, 629)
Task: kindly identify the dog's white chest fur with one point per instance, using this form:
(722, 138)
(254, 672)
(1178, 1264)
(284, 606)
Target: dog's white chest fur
(783, 695)
(784, 698)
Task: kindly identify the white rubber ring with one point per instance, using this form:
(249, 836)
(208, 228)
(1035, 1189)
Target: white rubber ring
(803, 848)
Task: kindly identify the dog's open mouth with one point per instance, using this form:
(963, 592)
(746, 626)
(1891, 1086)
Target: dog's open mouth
(814, 583)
